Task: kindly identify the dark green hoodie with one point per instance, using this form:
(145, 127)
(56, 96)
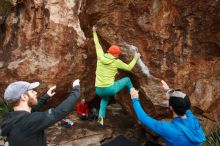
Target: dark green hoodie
(23, 128)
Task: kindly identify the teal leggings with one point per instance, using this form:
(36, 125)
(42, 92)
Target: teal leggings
(106, 92)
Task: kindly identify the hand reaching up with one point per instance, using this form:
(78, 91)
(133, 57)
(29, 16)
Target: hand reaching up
(51, 91)
(164, 85)
(94, 28)
(76, 82)
(137, 55)
(134, 93)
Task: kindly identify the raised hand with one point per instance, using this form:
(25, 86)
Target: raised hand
(134, 93)
(51, 92)
(164, 85)
(137, 55)
(76, 82)
(94, 28)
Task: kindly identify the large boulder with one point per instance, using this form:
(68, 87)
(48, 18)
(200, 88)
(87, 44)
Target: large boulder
(43, 41)
(51, 42)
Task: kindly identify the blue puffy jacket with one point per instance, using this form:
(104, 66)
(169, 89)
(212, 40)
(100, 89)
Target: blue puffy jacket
(178, 132)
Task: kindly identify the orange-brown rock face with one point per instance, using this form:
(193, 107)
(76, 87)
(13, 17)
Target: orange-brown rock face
(179, 42)
(43, 41)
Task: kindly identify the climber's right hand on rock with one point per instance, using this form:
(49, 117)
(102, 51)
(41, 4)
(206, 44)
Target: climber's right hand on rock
(134, 93)
(94, 28)
(137, 55)
(76, 83)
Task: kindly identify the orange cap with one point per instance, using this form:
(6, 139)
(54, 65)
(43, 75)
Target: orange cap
(114, 50)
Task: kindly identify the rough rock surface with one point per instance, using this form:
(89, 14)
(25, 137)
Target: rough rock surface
(51, 42)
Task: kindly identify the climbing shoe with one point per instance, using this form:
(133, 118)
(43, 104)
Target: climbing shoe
(100, 122)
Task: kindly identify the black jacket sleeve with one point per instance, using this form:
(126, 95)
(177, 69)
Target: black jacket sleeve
(42, 120)
(42, 101)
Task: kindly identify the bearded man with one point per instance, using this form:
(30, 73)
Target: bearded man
(25, 128)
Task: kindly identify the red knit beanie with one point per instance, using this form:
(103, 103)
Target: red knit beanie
(114, 50)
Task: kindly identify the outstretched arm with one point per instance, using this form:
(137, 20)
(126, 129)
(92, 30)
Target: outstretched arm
(53, 115)
(99, 50)
(161, 128)
(144, 118)
(128, 67)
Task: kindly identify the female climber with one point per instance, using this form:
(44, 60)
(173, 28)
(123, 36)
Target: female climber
(107, 67)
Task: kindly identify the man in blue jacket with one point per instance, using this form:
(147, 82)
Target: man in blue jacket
(183, 130)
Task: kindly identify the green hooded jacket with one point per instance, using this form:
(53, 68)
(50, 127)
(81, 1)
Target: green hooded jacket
(108, 65)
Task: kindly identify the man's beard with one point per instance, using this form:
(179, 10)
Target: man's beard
(32, 101)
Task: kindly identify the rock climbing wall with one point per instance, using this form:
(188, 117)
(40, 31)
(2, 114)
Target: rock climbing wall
(43, 41)
(51, 42)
